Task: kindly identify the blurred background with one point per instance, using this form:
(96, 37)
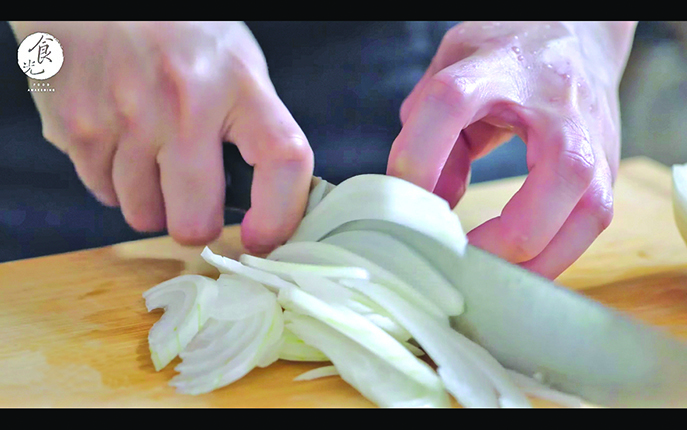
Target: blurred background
(344, 83)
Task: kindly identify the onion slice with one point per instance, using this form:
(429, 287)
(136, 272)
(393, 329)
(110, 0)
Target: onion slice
(325, 253)
(384, 198)
(239, 297)
(294, 349)
(532, 386)
(405, 263)
(320, 372)
(468, 371)
(335, 294)
(375, 378)
(187, 301)
(287, 270)
(364, 333)
(228, 266)
(230, 357)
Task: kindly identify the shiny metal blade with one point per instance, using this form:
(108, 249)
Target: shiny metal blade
(579, 346)
(531, 325)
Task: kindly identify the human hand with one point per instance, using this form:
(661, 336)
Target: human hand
(556, 86)
(142, 110)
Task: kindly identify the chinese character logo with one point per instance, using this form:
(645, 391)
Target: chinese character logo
(40, 56)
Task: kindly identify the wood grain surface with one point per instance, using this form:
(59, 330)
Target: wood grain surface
(73, 327)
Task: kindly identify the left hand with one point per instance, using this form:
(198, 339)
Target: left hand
(556, 86)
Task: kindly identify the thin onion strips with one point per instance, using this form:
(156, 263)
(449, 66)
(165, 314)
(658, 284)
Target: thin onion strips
(352, 287)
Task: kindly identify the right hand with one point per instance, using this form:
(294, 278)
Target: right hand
(142, 110)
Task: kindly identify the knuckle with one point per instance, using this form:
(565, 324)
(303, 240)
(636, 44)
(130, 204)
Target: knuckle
(522, 248)
(51, 135)
(80, 127)
(577, 167)
(598, 204)
(449, 90)
(292, 151)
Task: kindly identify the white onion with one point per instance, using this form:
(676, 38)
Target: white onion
(320, 372)
(402, 261)
(374, 377)
(187, 303)
(355, 286)
(364, 333)
(287, 270)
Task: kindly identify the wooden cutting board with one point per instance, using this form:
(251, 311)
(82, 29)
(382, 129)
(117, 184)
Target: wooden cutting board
(73, 327)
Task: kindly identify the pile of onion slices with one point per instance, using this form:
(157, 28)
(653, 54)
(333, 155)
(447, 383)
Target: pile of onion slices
(355, 289)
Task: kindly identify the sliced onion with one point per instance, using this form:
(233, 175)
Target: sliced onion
(227, 265)
(466, 369)
(286, 270)
(364, 333)
(375, 378)
(324, 253)
(226, 349)
(320, 372)
(187, 301)
(335, 294)
(294, 349)
(232, 359)
(405, 263)
(273, 340)
(384, 198)
(239, 297)
(533, 387)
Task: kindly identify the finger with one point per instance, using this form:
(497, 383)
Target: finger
(193, 186)
(136, 178)
(476, 140)
(451, 50)
(135, 172)
(454, 178)
(591, 216)
(270, 139)
(562, 167)
(87, 132)
(450, 101)
(93, 164)
(410, 100)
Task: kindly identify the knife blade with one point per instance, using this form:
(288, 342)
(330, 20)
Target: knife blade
(535, 326)
(577, 345)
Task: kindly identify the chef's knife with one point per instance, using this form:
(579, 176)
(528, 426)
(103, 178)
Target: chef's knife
(537, 327)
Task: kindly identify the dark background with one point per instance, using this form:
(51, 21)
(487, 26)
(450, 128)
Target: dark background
(343, 82)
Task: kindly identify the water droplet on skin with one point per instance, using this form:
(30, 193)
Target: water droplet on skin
(549, 66)
(520, 58)
(516, 49)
